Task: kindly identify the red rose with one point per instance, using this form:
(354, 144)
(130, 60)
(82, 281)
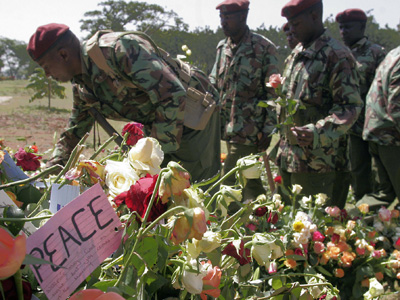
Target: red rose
(243, 256)
(28, 161)
(278, 179)
(261, 211)
(273, 217)
(135, 133)
(137, 198)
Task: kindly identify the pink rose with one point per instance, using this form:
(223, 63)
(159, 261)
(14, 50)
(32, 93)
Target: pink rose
(376, 254)
(360, 251)
(333, 211)
(93, 294)
(318, 236)
(319, 247)
(384, 214)
(273, 267)
(212, 279)
(275, 81)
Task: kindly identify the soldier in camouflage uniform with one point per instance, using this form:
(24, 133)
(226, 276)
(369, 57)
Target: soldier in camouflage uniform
(352, 23)
(382, 131)
(155, 96)
(244, 62)
(321, 75)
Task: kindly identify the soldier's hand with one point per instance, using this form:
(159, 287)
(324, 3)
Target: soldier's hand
(304, 135)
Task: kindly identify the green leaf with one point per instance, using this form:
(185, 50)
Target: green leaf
(324, 271)
(276, 283)
(148, 252)
(104, 285)
(31, 260)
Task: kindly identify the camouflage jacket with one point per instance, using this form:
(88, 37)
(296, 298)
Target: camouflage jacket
(382, 116)
(157, 100)
(323, 78)
(240, 73)
(368, 56)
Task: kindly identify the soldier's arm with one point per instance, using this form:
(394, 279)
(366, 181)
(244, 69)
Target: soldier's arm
(346, 106)
(150, 74)
(80, 122)
(393, 95)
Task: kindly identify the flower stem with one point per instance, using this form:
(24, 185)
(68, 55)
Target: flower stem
(25, 219)
(222, 179)
(18, 285)
(105, 144)
(30, 179)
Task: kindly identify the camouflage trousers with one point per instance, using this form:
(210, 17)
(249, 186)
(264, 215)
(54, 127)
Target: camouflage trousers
(312, 184)
(340, 190)
(254, 187)
(199, 151)
(386, 171)
(360, 161)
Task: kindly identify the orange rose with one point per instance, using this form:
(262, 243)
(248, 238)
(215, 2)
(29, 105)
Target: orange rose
(324, 258)
(395, 213)
(339, 273)
(343, 246)
(329, 231)
(334, 252)
(183, 230)
(290, 263)
(12, 253)
(289, 252)
(93, 294)
(365, 282)
(379, 276)
(173, 182)
(364, 208)
(212, 279)
(347, 258)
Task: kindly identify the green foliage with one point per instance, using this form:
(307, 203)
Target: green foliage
(15, 58)
(119, 15)
(44, 87)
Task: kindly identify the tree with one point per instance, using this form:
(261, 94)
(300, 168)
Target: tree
(120, 16)
(14, 58)
(44, 86)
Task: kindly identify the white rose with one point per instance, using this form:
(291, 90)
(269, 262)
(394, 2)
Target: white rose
(296, 189)
(193, 281)
(146, 156)
(119, 177)
(375, 289)
(209, 242)
(305, 201)
(250, 167)
(228, 195)
(321, 199)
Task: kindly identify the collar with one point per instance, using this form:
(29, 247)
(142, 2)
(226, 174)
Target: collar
(245, 39)
(312, 50)
(360, 43)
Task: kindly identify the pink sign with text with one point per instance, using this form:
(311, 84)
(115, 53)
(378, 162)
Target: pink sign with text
(76, 239)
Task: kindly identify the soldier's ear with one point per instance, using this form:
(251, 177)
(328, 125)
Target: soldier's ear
(64, 54)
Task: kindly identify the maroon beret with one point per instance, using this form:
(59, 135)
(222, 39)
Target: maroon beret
(44, 38)
(228, 6)
(350, 15)
(295, 7)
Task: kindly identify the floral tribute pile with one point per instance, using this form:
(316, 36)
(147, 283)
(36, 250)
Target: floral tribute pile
(180, 241)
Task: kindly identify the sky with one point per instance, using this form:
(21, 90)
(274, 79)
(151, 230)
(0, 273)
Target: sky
(20, 18)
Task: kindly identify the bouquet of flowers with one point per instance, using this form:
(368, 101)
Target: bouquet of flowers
(182, 241)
